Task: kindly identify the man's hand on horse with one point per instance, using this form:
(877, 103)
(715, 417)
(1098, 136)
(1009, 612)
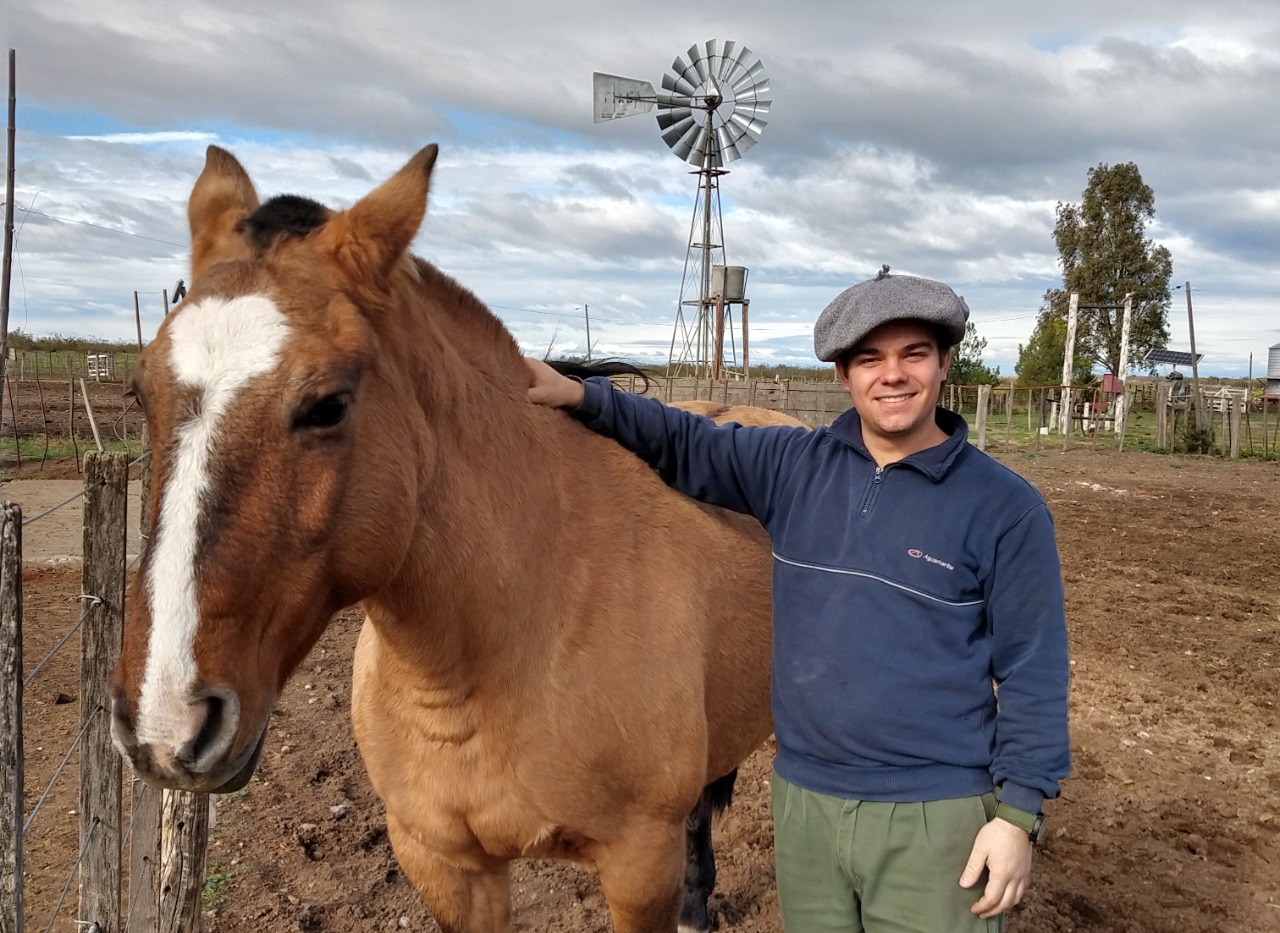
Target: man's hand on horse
(547, 387)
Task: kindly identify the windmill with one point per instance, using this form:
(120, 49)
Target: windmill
(709, 112)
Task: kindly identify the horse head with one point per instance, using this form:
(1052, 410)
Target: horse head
(279, 376)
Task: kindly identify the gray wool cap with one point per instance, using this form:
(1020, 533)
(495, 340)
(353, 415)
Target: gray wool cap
(860, 309)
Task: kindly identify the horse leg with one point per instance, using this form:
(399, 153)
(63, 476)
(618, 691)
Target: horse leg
(640, 876)
(700, 862)
(462, 898)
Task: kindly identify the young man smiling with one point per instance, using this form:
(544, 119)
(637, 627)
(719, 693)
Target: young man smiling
(913, 576)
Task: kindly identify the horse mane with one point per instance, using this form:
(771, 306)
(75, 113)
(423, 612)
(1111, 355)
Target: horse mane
(284, 215)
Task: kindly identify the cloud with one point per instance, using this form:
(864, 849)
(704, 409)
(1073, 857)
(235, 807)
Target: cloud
(937, 138)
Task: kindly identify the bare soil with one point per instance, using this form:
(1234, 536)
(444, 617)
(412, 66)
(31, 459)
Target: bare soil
(1169, 821)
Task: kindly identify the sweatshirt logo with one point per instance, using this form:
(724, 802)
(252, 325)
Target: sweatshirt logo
(921, 555)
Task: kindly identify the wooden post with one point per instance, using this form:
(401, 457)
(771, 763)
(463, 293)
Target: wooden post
(183, 844)
(984, 399)
(1235, 428)
(746, 364)
(1068, 367)
(1008, 421)
(106, 497)
(93, 422)
(1195, 368)
(1120, 413)
(11, 758)
(17, 446)
(144, 839)
(137, 319)
(1162, 415)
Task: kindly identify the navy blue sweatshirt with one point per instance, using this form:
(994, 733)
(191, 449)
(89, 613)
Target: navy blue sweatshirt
(900, 595)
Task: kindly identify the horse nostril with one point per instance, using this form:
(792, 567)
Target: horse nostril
(219, 713)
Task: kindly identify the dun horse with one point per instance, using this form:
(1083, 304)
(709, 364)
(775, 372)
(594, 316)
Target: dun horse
(559, 653)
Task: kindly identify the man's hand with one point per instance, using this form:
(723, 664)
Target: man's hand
(1005, 851)
(547, 387)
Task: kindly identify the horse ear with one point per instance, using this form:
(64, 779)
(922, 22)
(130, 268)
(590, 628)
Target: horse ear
(376, 231)
(222, 197)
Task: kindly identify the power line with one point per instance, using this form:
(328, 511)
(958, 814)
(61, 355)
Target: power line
(89, 223)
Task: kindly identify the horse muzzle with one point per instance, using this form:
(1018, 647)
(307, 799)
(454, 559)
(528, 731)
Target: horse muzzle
(196, 752)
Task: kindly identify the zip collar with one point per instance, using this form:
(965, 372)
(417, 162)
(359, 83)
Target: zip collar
(933, 462)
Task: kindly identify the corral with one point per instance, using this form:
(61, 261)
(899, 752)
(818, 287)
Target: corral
(1168, 822)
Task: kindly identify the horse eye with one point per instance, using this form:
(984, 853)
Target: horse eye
(326, 413)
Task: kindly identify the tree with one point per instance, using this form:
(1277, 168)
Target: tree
(966, 361)
(1040, 360)
(1105, 254)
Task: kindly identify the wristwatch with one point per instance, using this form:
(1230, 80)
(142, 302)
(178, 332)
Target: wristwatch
(1030, 823)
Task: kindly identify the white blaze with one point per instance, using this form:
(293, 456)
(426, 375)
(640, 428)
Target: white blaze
(217, 348)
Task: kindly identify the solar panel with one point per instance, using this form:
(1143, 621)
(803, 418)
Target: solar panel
(1170, 357)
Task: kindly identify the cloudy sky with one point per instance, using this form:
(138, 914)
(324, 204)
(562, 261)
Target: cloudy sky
(936, 137)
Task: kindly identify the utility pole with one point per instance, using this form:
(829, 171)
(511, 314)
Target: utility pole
(8, 225)
(586, 314)
(1195, 369)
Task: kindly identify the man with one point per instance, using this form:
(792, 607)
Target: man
(913, 577)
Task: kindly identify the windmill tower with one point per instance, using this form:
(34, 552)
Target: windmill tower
(709, 112)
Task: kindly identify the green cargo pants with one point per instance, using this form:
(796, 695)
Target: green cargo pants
(850, 866)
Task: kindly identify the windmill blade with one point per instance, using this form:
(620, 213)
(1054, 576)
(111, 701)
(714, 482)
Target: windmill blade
(669, 118)
(712, 59)
(725, 145)
(685, 72)
(748, 125)
(697, 63)
(703, 141)
(739, 63)
(753, 109)
(688, 143)
(748, 78)
(675, 136)
(753, 92)
(727, 60)
(666, 100)
(679, 85)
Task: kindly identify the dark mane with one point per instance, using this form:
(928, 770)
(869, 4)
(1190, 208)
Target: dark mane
(284, 215)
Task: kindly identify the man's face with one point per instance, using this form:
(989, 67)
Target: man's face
(894, 377)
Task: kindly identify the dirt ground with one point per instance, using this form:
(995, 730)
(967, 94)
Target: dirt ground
(1169, 822)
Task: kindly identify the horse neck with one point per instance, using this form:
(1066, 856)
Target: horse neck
(491, 523)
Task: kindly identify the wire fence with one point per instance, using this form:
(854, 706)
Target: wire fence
(98, 865)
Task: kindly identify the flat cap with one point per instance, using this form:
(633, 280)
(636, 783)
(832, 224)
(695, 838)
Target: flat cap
(860, 309)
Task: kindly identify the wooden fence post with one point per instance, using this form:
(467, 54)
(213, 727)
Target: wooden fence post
(144, 837)
(184, 841)
(1235, 428)
(12, 902)
(984, 400)
(106, 498)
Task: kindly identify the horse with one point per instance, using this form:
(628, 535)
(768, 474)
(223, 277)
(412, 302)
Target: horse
(561, 657)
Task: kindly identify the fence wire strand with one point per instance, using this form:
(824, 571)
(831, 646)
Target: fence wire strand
(95, 602)
(70, 499)
(71, 874)
(58, 773)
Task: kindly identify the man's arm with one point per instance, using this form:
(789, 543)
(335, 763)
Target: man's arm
(729, 465)
(1030, 665)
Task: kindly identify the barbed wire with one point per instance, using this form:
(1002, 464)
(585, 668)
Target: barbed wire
(58, 773)
(96, 601)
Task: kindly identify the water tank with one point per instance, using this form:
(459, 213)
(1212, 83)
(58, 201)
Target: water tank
(730, 282)
(1273, 370)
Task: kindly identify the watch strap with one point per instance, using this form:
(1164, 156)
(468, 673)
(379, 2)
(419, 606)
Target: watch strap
(1029, 823)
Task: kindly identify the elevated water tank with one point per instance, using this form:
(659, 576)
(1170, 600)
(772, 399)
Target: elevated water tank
(1273, 371)
(729, 282)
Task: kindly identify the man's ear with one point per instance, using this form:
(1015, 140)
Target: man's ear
(946, 363)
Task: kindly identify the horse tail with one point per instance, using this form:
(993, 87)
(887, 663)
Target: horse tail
(700, 864)
(581, 369)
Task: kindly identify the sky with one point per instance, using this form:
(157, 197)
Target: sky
(937, 138)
